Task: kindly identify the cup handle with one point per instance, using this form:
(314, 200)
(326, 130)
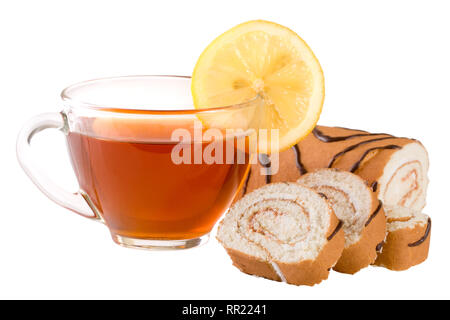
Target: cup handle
(72, 201)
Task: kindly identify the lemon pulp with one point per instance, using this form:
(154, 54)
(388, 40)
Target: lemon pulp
(261, 58)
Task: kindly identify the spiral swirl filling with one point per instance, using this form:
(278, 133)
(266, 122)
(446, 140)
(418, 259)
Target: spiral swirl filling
(284, 228)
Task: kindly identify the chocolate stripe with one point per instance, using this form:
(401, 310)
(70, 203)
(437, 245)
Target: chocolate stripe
(358, 163)
(374, 214)
(244, 188)
(352, 147)
(422, 240)
(325, 138)
(374, 186)
(264, 160)
(298, 157)
(379, 246)
(338, 227)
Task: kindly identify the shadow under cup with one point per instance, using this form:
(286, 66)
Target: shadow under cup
(157, 172)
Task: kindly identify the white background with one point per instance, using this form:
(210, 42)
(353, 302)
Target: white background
(387, 69)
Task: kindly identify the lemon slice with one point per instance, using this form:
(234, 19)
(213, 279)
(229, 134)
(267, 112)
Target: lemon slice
(264, 59)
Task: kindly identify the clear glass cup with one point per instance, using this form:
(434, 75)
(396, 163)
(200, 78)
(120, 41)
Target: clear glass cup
(157, 172)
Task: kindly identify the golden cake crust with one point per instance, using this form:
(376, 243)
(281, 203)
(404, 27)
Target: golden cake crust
(398, 253)
(311, 272)
(364, 252)
(306, 272)
(368, 158)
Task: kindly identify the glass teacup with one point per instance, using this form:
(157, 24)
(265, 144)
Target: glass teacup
(156, 171)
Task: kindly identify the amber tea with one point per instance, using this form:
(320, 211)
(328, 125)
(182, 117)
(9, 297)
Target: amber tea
(141, 193)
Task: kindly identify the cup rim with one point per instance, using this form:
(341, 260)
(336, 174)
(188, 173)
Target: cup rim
(77, 103)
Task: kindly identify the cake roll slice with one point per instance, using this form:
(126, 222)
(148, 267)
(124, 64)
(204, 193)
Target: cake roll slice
(395, 168)
(284, 232)
(408, 239)
(362, 214)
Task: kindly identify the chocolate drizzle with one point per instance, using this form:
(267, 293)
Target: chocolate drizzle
(298, 157)
(374, 186)
(379, 246)
(352, 147)
(325, 138)
(374, 214)
(338, 227)
(358, 163)
(244, 188)
(264, 160)
(425, 236)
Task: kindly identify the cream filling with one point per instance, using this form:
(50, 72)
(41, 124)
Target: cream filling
(404, 181)
(348, 196)
(285, 223)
